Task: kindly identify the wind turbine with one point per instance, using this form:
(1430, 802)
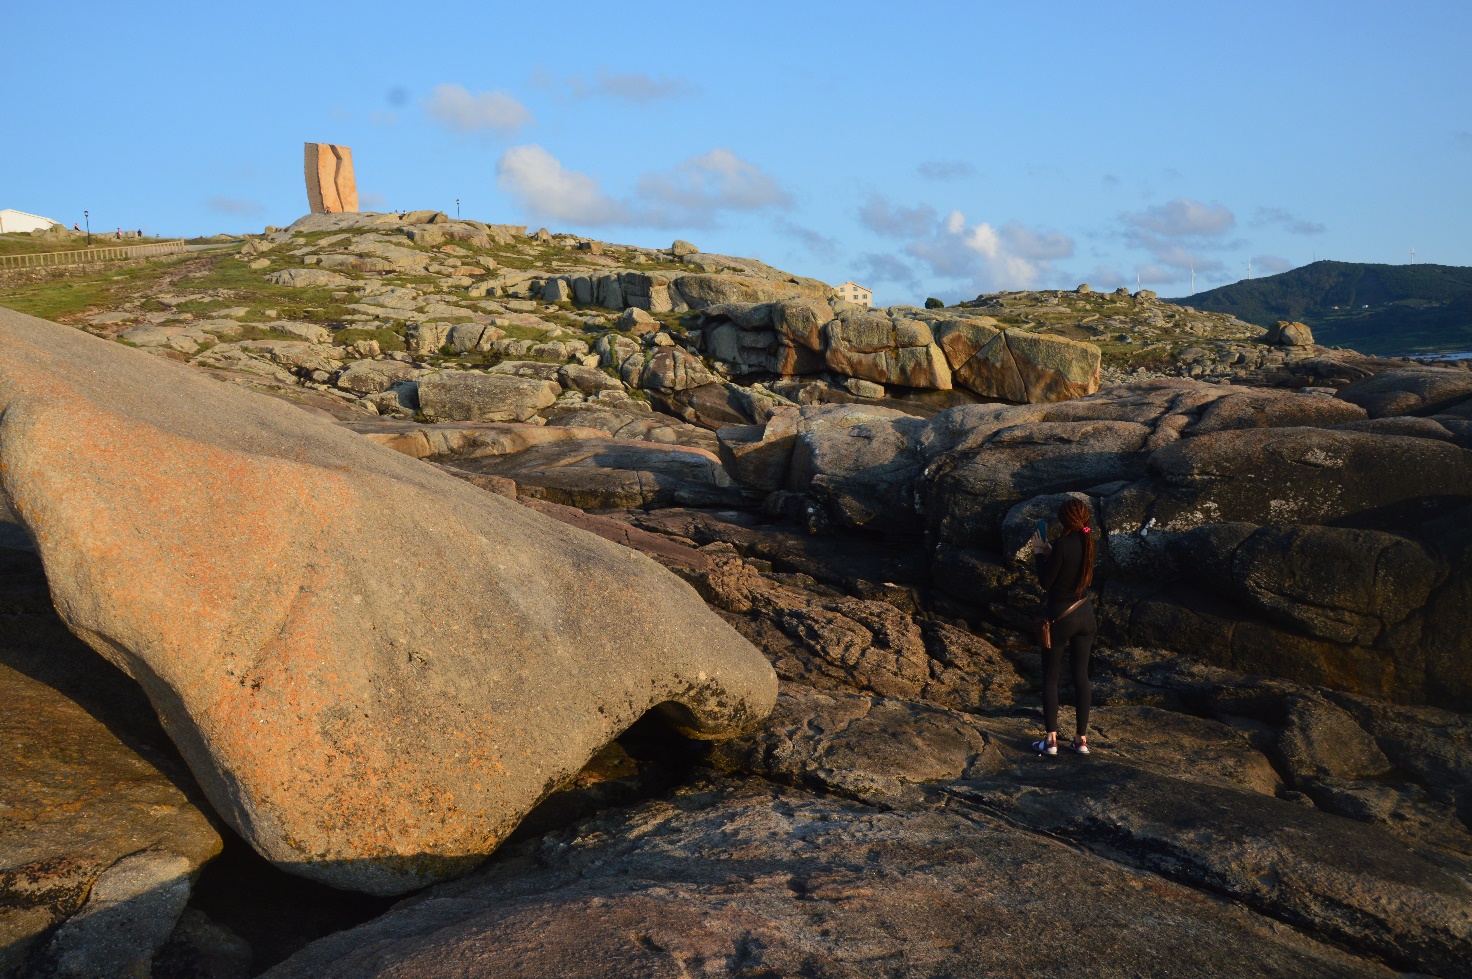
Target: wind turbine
(1249, 268)
(1413, 256)
(1193, 280)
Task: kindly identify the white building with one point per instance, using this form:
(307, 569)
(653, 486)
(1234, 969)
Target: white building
(15, 222)
(855, 293)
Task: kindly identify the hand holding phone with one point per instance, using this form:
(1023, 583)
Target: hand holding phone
(1042, 528)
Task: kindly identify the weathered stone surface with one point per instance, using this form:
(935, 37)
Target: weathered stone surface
(603, 474)
(466, 396)
(1322, 741)
(307, 278)
(427, 338)
(865, 746)
(331, 187)
(1053, 368)
(1307, 475)
(1412, 391)
(752, 879)
(87, 779)
(1289, 334)
(589, 380)
(1348, 883)
(296, 601)
(468, 440)
(294, 354)
(758, 456)
(674, 369)
(185, 339)
(372, 376)
(700, 291)
(1274, 409)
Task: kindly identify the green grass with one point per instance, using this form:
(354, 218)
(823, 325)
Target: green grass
(95, 288)
(388, 340)
(26, 244)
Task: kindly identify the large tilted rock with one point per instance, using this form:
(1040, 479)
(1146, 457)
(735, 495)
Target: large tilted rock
(373, 669)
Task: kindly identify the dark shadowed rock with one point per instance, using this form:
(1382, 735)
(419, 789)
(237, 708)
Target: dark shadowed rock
(604, 474)
(748, 879)
(1410, 391)
(101, 834)
(1343, 880)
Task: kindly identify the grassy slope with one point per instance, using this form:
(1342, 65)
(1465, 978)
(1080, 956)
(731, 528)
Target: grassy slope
(1411, 308)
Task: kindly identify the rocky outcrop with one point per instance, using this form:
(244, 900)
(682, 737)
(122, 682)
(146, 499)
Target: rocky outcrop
(1289, 334)
(1256, 527)
(903, 346)
(364, 661)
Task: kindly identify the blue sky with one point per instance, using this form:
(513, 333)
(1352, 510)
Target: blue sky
(941, 149)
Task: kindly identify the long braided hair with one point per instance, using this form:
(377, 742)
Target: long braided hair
(1074, 516)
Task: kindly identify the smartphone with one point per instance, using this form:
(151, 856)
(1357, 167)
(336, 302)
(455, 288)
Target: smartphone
(1042, 528)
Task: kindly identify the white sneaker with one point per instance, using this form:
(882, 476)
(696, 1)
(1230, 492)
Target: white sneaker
(1044, 748)
(1080, 748)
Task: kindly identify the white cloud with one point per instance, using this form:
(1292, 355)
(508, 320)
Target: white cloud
(989, 258)
(692, 194)
(1183, 218)
(634, 86)
(882, 267)
(1043, 245)
(232, 205)
(814, 241)
(883, 218)
(1271, 264)
(1177, 233)
(945, 169)
(457, 109)
(627, 86)
(1290, 223)
(543, 187)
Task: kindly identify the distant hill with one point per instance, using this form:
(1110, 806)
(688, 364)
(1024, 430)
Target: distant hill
(1376, 309)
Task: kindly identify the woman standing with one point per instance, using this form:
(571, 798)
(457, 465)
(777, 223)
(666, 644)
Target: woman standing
(1066, 569)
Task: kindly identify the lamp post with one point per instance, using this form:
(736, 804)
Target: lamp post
(457, 209)
(88, 218)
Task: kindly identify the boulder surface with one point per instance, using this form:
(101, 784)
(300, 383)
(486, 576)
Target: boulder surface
(373, 669)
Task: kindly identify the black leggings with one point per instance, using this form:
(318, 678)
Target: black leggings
(1075, 633)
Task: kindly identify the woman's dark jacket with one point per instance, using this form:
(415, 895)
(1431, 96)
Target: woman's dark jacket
(1058, 573)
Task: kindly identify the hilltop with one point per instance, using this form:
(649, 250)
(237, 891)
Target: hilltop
(1377, 309)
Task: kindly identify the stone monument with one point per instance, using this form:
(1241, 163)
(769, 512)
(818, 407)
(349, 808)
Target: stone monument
(330, 184)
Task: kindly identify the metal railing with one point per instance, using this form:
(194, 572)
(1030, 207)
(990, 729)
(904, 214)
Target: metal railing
(111, 253)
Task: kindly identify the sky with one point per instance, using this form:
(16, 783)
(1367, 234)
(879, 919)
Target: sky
(933, 149)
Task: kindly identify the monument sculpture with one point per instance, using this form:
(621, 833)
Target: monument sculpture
(330, 184)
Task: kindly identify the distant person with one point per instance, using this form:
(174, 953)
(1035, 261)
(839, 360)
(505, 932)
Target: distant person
(1066, 569)
(76, 227)
(120, 234)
